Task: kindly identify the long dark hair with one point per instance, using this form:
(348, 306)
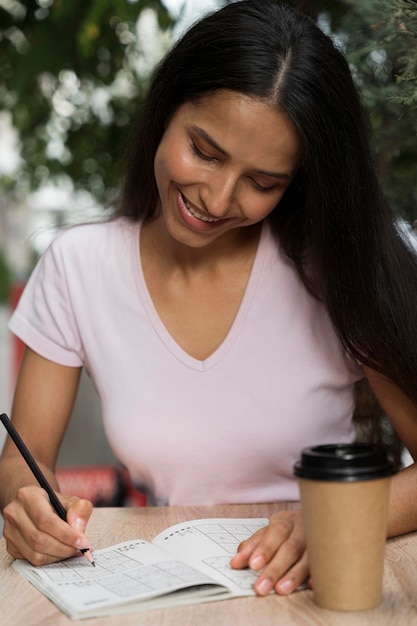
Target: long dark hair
(332, 218)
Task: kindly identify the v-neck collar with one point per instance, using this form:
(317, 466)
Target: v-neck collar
(226, 344)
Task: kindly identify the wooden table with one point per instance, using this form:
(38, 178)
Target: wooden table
(22, 605)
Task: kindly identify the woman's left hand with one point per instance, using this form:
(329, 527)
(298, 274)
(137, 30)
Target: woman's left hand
(279, 550)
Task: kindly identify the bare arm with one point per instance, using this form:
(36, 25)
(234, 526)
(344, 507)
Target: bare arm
(44, 397)
(402, 413)
(280, 547)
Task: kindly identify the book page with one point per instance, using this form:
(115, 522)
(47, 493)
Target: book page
(209, 544)
(125, 573)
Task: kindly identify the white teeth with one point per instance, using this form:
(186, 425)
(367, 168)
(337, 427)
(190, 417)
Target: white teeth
(199, 216)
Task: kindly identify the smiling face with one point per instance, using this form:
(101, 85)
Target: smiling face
(223, 163)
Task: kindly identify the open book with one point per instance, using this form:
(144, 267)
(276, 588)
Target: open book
(185, 564)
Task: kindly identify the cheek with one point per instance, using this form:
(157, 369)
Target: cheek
(173, 165)
(161, 166)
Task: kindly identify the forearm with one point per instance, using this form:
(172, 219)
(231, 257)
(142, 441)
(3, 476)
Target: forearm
(403, 502)
(14, 474)
(42, 405)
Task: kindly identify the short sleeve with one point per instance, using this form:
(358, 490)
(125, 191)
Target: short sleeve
(44, 318)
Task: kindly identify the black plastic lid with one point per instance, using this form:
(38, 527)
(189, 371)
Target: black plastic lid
(344, 462)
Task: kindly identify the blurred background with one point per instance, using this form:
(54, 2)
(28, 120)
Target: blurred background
(72, 75)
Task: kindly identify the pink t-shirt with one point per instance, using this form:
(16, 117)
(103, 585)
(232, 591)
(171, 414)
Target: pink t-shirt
(226, 429)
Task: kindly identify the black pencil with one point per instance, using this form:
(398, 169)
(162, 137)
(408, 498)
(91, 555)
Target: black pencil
(40, 477)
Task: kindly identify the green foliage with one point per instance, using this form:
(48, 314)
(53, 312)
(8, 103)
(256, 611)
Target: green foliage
(404, 35)
(380, 41)
(67, 76)
(5, 278)
(62, 64)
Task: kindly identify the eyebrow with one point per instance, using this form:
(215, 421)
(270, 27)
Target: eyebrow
(202, 133)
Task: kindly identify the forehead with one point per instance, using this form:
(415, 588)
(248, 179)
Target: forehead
(244, 126)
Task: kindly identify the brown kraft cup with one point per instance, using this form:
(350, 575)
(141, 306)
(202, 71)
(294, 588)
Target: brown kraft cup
(344, 490)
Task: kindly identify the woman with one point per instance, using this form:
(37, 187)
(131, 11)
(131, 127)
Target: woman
(251, 276)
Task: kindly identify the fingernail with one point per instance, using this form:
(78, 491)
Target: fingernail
(257, 562)
(264, 586)
(79, 524)
(82, 543)
(285, 586)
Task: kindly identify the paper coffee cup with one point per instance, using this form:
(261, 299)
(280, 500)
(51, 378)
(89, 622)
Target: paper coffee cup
(344, 491)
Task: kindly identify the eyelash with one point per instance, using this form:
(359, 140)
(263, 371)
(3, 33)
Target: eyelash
(262, 189)
(200, 154)
(205, 157)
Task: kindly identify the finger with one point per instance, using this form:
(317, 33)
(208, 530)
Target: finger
(13, 549)
(294, 578)
(246, 549)
(78, 513)
(37, 547)
(33, 529)
(68, 534)
(257, 551)
(286, 571)
(271, 541)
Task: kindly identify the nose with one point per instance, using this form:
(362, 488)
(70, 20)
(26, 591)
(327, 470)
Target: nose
(219, 194)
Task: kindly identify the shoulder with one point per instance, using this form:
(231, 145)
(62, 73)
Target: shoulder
(90, 240)
(95, 233)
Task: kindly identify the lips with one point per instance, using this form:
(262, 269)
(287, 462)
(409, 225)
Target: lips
(195, 219)
(199, 216)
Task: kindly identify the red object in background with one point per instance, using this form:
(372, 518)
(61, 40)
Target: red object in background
(103, 485)
(18, 347)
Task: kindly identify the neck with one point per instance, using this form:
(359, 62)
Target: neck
(233, 247)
